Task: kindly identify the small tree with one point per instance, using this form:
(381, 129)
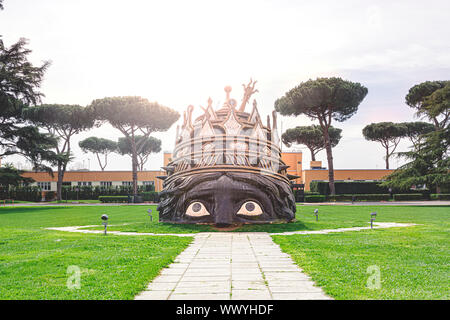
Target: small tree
(62, 122)
(150, 145)
(432, 100)
(133, 116)
(311, 137)
(323, 99)
(99, 146)
(10, 176)
(415, 131)
(429, 163)
(388, 134)
(19, 88)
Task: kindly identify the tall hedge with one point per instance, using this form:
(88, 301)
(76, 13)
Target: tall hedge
(22, 193)
(440, 196)
(349, 187)
(34, 194)
(93, 192)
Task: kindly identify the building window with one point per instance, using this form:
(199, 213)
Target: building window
(127, 183)
(46, 186)
(105, 184)
(148, 183)
(84, 183)
(67, 184)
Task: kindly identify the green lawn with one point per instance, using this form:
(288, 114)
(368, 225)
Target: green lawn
(34, 261)
(74, 201)
(414, 262)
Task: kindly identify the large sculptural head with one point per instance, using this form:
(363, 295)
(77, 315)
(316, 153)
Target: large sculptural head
(226, 169)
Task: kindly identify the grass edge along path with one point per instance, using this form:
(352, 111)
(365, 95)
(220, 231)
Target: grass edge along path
(410, 263)
(38, 265)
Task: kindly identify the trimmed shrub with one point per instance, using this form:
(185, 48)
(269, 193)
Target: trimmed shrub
(408, 196)
(349, 187)
(93, 192)
(311, 193)
(445, 188)
(22, 193)
(315, 198)
(440, 196)
(50, 195)
(359, 197)
(151, 196)
(320, 187)
(373, 197)
(109, 199)
(340, 197)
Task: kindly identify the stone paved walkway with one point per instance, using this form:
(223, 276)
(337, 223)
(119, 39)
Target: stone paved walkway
(236, 266)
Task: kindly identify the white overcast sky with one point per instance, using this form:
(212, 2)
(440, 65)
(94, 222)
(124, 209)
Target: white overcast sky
(181, 52)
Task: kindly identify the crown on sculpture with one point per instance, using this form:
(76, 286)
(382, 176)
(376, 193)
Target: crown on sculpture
(228, 139)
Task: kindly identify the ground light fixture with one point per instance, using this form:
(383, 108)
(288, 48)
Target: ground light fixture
(316, 213)
(104, 217)
(373, 215)
(150, 214)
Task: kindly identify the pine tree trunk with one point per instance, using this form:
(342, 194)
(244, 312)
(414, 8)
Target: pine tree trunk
(313, 155)
(330, 161)
(99, 162)
(134, 162)
(59, 182)
(387, 158)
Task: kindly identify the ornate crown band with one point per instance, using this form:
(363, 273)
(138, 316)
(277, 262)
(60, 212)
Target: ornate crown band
(228, 139)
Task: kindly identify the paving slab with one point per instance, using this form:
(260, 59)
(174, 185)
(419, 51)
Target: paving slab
(251, 295)
(248, 285)
(300, 296)
(200, 296)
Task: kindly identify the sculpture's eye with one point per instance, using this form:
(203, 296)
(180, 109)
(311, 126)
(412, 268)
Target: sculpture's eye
(197, 209)
(250, 208)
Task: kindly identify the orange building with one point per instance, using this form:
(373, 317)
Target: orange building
(124, 178)
(96, 178)
(294, 161)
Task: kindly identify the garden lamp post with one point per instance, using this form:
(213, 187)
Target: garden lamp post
(150, 214)
(316, 213)
(105, 221)
(373, 215)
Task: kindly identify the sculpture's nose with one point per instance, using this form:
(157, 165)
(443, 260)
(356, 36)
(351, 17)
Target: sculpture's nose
(223, 203)
(223, 214)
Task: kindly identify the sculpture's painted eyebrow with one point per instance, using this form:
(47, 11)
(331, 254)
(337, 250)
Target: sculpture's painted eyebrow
(198, 192)
(201, 191)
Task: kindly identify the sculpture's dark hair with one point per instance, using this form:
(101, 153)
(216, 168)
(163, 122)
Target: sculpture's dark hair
(173, 201)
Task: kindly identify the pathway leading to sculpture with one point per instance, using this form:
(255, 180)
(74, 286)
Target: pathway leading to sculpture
(233, 265)
(236, 266)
